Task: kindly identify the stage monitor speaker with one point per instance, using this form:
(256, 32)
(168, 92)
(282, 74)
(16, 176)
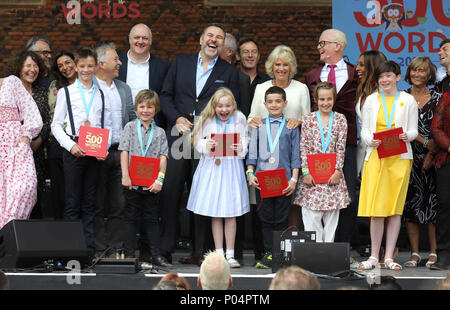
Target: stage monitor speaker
(282, 246)
(30, 243)
(323, 258)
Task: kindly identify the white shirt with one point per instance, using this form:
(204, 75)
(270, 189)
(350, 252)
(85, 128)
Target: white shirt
(137, 75)
(340, 71)
(112, 98)
(61, 116)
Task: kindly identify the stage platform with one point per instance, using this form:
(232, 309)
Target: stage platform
(245, 278)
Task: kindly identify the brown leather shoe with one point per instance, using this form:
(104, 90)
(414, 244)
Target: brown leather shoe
(188, 260)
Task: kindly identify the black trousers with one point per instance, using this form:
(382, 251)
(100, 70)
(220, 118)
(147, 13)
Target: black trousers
(81, 176)
(141, 206)
(56, 171)
(110, 203)
(443, 214)
(347, 216)
(179, 174)
(273, 213)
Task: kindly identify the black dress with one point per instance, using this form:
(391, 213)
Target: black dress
(421, 200)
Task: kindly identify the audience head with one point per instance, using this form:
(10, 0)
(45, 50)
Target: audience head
(282, 57)
(108, 61)
(385, 283)
(422, 70)
(64, 69)
(444, 53)
(140, 40)
(214, 273)
(172, 282)
(331, 45)
(228, 52)
(29, 68)
(41, 46)
(4, 282)
(444, 284)
(212, 40)
(294, 278)
(248, 54)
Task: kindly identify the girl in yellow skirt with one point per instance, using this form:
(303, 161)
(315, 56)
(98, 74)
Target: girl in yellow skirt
(385, 181)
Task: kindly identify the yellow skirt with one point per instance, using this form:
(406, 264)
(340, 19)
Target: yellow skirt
(384, 186)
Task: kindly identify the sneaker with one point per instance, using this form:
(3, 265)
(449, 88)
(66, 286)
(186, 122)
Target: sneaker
(265, 262)
(233, 263)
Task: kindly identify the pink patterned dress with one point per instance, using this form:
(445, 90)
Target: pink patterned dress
(323, 197)
(19, 116)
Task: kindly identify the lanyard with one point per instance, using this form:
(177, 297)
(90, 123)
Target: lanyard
(86, 107)
(150, 138)
(277, 137)
(226, 125)
(391, 115)
(325, 144)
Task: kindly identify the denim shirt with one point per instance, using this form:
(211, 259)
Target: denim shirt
(286, 153)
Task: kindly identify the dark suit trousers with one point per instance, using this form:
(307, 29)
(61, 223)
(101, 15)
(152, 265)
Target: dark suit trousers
(347, 216)
(443, 214)
(179, 174)
(109, 204)
(81, 176)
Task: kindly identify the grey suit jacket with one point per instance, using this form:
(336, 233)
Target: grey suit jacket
(126, 97)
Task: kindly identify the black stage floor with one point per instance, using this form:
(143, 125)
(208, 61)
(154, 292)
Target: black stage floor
(245, 278)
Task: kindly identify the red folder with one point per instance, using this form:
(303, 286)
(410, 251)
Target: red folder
(224, 140)
(321, 166)
(391, 144)
(143, 171)
(94, 141)
(272, 182)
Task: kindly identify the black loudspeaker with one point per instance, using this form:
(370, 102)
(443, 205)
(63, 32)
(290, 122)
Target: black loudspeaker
(283, 242)
(323, 258)
(32, 243)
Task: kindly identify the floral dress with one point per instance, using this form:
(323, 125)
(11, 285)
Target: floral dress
(421, 200)
(323, 197)
(19, 116)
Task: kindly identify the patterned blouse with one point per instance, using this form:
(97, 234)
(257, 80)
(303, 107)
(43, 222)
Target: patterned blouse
(440, 128)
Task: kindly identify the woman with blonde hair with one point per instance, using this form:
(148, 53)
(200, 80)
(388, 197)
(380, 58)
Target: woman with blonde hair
(219, 186)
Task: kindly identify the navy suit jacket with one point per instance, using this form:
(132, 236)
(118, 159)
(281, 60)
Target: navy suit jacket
(157, 72)
(178, 95)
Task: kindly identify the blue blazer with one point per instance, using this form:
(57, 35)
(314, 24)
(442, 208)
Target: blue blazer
(178, 95)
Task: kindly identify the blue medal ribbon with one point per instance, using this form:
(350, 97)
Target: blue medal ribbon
(325, 144)
(150, 138)
(87, 108)
(389, 118)
(273, 144)
(226, 125)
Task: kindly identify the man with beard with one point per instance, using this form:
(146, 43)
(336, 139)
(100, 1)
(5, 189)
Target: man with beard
(190, 82)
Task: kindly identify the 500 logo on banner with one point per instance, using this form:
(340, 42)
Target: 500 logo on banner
(73, 10)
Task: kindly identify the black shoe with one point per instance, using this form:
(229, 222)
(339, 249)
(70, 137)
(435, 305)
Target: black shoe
(145, 255)
(440, 265)
(161, 261)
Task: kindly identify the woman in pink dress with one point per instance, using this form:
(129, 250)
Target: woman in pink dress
(20, 122)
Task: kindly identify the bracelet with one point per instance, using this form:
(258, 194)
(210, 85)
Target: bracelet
(305, 171)
(157, 181)
(249, 171)
(293, 180)
(425, 143)
(160, 179)
(250, 174)
(162, 175)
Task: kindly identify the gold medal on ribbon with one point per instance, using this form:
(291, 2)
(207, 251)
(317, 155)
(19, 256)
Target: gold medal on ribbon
(217, 161)
(272, 160)
(87, 123)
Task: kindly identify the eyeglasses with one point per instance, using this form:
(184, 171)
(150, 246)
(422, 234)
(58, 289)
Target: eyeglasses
(322, 43)
(45, 53)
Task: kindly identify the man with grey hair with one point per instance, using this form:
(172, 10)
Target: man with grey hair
(110, 201)
(228, 53)
(214, 273)
(41, 46)
(343, 76)
(140, 69)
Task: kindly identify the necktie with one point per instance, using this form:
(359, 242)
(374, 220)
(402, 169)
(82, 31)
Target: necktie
(332, 75)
